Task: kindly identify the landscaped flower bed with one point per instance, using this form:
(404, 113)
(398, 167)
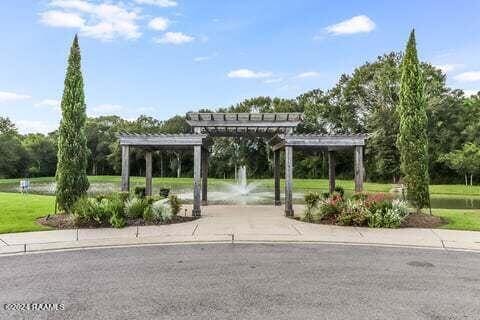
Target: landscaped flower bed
(119, 210)
(377, 210)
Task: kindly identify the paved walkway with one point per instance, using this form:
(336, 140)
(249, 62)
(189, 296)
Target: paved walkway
(240, 224)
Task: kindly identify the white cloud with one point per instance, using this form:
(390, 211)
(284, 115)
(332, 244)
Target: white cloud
(357, 24)
(446, 68)
(205, 58)
(50, 103)
(80, 5)
(248, 74)
(470, 92)
(61, 19)
(273, 80)
(28, 126)
(159, 24)
(12, 96)
(105, 109)
(159, 3)
(470, 76)
(104, 21)
(174, 38)
(308, 74)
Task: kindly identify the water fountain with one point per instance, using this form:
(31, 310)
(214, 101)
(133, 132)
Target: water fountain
(241, 187)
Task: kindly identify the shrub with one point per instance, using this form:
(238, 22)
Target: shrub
(124, 195)
(117, 220)
(332, 206)
(340, 191)
(375, 210)
(113, 205)
(113, 210)
(151, 199)
(134, 207)
(148, 214)
(164, 192)
(360, 196)
(175, 204)
(89, 211)
(162, 210)
(353, 213)
(311, 200)
(377, 199)
(139, 192)
(387, 214)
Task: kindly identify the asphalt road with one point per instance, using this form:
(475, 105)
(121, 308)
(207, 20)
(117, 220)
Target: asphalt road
(244, 281)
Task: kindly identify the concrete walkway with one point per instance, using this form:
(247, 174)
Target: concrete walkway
(240, 224)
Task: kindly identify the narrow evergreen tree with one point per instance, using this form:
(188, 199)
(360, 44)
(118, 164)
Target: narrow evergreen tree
(71, 176)
(412, 139)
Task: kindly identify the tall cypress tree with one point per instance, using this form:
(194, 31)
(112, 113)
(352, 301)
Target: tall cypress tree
(412, 139)
(71, 176)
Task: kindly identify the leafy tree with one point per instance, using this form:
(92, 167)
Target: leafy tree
(71, 176)
(13, 157)
(471, 123)
(42, 154)
(101, 137)
(412, 138)
(465, 160)
(7, 127)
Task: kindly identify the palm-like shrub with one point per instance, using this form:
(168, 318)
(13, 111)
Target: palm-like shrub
(174, 204)
(162, 211)
(134, 207)
(354, 213)
(311, 204)
(388, 214)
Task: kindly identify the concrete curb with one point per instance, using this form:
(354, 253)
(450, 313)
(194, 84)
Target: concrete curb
(243, 225)
(57, 247)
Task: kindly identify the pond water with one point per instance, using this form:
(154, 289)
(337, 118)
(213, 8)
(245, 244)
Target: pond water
(234, 194)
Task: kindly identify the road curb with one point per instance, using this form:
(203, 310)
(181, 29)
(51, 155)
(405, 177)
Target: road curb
(24, 249)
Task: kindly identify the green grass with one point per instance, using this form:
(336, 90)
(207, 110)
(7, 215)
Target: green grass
(459, 219)
(456, 190)
(19, 212)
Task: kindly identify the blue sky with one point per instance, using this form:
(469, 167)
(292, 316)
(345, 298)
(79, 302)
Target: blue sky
(166, 57)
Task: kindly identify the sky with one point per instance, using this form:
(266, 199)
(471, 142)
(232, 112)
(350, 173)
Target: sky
(166, 57)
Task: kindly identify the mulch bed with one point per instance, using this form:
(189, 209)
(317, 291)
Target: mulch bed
(414, 220)
(418, 220)
(64, 221)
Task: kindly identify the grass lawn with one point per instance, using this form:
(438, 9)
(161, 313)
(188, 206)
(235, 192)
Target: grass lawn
(459, 219)
(18, 212)
(456, 190)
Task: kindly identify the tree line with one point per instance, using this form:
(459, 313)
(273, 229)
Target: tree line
(365, 101)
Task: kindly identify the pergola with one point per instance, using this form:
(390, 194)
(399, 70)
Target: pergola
(329, 143)
(279, 128)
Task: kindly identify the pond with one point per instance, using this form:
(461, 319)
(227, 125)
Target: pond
(227, 193)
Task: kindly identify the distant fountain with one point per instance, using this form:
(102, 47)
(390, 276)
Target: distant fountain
(241, 187)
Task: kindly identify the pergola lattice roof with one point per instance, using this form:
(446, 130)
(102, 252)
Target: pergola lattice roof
(169, 141)
(280, 127)
(318, 140)
(238, 124)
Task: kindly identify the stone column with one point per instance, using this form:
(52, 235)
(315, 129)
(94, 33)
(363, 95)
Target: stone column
(288, 181)
(148, 173)
(276, 176)
(331, 172)
(125, 168)
(359, 171)
(197, 166)
(205, 177)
